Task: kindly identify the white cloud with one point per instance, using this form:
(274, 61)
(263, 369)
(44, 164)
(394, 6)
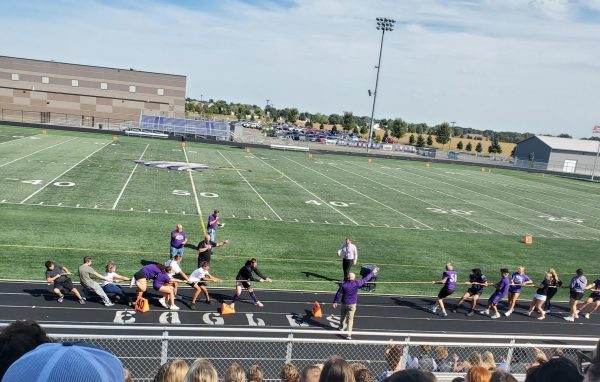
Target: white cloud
(490, 64)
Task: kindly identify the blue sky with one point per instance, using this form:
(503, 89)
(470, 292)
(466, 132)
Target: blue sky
(512, 65)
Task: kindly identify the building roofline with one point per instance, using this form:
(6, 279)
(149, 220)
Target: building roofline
(95, 66)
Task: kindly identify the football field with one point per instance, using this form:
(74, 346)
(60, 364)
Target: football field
(65, 195)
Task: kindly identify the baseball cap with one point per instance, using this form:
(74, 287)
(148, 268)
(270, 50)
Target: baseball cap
(73, 362)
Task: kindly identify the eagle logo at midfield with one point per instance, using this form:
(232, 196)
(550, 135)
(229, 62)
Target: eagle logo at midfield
(183, 166)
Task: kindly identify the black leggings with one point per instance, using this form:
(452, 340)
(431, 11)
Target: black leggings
(346, 266)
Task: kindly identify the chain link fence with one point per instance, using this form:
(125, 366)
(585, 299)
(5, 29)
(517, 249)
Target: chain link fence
(446, 355)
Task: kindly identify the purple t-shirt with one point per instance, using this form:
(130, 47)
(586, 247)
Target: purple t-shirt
(348, 291)
(161, 279)
(518, 279)
(216, 221)
(177, 241)
(503, 290)
(150, 271)
(450, 277)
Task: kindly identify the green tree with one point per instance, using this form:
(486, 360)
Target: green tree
(399, 128)
(356, 131)
(443, 133)
(512, 153)
(334, 119)
(411, 139)
(479, 147)
(334, 128)
(469, 146)
(420, 141)
(459, 145)
(429, 140)
(363, 129)
(348, 121)
(385, 135)
(291, 115)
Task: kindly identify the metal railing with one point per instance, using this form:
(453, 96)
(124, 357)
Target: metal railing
(143, 349)
(60, 119)
(557, 166)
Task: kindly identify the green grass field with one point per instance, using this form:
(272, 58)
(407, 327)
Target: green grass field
(66, 195)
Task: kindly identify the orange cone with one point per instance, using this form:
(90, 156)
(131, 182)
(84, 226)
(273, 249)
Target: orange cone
(226, 309)
(316, 310)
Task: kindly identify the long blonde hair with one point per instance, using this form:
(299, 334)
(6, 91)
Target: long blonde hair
(235, 373)
(553, 273)
(173, 371)
(201, 371)
(488, 360)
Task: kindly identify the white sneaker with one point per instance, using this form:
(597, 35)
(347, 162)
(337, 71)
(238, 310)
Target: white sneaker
(443, 313)
(508, 313)
(259, 304)
(434, 309)
(109, 304)
(569, 318)
(577, 314)
(485, 312)
(497, 315)
(587, 315)
(547, 311)
(174, 307)
(162, 302)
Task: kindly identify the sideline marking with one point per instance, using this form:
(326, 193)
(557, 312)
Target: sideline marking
(128, 179)
(195, 194)
(69, 169)
(35, 152)
(253, 189)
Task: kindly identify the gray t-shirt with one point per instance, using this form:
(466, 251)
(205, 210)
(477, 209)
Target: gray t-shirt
(58, 269)
(84, 275)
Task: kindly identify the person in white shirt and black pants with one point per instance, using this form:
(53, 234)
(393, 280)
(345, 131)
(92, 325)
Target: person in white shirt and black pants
(349, 256)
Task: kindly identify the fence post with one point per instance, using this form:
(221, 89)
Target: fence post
(164, 348)
(405, 351)
(289, 348)
(510, 354)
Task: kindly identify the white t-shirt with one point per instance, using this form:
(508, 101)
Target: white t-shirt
(110, 276)
(198, 275)
(175, 265)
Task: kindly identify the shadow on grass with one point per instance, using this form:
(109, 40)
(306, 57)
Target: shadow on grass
(318, 276)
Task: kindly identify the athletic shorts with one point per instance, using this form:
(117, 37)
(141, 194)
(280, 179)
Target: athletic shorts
(494, 299)
(194, 283)
(244, 284)
(445, 293)
(64, 285)
(473, 291)
(139, 275)
(576, 295)
(540, 297)
(595, 297)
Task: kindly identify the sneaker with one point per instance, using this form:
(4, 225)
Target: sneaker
(259, 304)
(508, 313)
(529, 313)
(174, 307)
(541, 318)
(569, 318)
(485, 312)
(587, 315)
(208, 302)
(162, 302)
(193, 306)
(577, 314)
(443, 313)
(82, 301)
(109, 304)
(61, 298)
(433, 309)
(497, 315)
(470, 314)
(547, 311)
(454, 310)
(349, 337)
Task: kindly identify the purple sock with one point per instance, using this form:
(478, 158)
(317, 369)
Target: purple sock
(235, 298)
(253, 295)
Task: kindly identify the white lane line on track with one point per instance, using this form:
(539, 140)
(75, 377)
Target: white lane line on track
(248, 183)
(128, 179)
(69, 169)
(35, 152)
(310, 192)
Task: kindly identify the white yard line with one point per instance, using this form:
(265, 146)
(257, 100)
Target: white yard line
(18, 139)
(310, 192)
(69, 169)
(248, 183)
(360, 193)
(195, 194)
(128, 179)
(35, 152)
(484, 207)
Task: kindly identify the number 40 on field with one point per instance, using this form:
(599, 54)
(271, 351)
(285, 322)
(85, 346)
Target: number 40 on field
(333, 203)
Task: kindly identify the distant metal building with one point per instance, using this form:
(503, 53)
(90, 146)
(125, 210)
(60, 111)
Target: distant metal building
(574, 156)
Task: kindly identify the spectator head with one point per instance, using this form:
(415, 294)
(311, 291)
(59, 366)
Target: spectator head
(502, 376)
(356, 366)
(441, 352)
(351, 276)
(556, 369)
(488, 360)
(363, 375)
(311, 373)
(73, 362)
(289, 373)
(519, 355)
(17, 339)
(424, 349)
(127, 375)
(475, 359)
(593, 372)
(412, 375)
(49, 265)
(336, 370)
(201, 371)
(235, 373)
(579, 272)
(478, 374)
(255, 374)
(173, 371)
(393, 356)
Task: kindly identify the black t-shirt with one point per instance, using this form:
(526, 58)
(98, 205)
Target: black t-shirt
(544, 289)
(58, 269)
(206, 255)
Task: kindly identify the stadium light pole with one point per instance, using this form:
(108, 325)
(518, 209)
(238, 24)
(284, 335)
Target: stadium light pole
(383, 25)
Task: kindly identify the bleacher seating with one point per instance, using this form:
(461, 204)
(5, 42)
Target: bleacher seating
(179, 126)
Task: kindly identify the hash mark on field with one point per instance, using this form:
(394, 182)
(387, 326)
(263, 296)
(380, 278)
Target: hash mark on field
(77, 206)
(342, 223)
(166, 212)
(35, 152)
(249, 217)
(96, 206)
(312, 221)
(372, 224)
(326, 222)
(387, 225)
(149, 210)
(131, 209)
(183, 212)
(40, 203)
(233, 216)
(59, 204)
(296, 220)
(3, 200)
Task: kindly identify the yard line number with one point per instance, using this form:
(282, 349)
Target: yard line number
(187, 193)
(37, 182)
(333, 203)
(451, 211)
(561, 219)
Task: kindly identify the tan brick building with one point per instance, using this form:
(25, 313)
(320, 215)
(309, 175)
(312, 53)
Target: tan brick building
(47, 89)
